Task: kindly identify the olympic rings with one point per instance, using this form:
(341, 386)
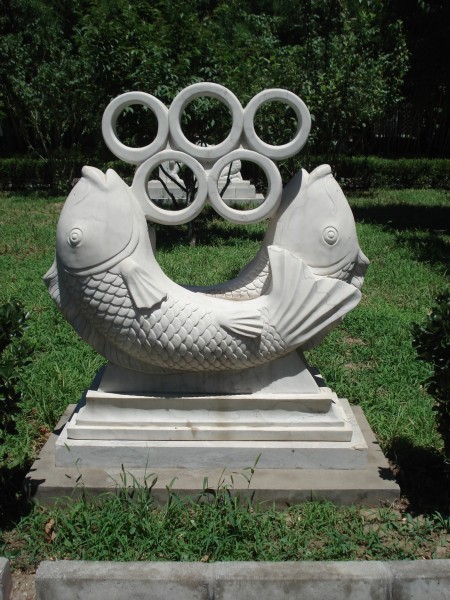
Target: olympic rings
(207, 162)
(264, 210)
(135, 156)
(159, 215)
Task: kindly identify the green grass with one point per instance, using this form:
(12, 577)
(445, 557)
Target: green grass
(130, 527)
(369, 360)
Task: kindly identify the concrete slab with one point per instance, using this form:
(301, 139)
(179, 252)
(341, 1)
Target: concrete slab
(353, 580)
(5, 579)
(370, 486)
(417, 580)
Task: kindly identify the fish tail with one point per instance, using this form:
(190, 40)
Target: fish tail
(302, 305)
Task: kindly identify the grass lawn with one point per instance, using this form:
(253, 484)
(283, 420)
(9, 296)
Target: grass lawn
(369, 360)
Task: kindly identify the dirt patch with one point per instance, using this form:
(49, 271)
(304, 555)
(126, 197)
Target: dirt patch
(355, 341)
(23, 587)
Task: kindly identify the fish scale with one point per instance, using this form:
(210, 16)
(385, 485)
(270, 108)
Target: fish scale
(176, 335)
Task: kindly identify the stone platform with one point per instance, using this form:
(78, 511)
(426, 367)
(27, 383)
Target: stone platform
(371, 485)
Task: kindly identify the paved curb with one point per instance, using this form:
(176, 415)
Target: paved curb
(354, 580)
(5, 580)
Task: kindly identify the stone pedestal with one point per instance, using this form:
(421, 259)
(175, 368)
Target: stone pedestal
(239, 192)
(229, 419)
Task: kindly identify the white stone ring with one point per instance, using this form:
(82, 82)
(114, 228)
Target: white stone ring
(208, 184)
(199, 158)
(160, 215)
(274, 184)
(134, 156)
(211, 90)
(303, 127)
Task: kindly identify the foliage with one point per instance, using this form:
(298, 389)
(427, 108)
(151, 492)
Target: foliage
(432, 341)
(353, 172)
(62, 62)
(14, 356)
(426, 87)
(372, 172)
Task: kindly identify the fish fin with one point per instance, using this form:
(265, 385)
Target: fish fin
(244, 321)
(52, 283)
(51, 274)
(143, 289)
(301, 304)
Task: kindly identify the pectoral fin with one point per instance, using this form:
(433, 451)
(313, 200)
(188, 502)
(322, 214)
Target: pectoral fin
(245, 322)
(143, 289)
(302, 305)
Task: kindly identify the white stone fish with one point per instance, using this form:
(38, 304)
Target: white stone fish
(314, 221)
(107, 283)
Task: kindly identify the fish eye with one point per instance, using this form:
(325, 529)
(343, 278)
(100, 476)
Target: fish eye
(330, 235)
(75, 237)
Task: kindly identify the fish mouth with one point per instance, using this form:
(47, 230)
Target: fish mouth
(359, 270)
(351, 272)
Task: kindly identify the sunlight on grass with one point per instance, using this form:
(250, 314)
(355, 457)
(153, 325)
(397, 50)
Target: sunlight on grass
(368, 359)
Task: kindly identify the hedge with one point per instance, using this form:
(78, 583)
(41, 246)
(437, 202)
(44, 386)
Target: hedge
(352, 172)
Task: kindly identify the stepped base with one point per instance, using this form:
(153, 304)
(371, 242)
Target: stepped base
(204, 454)
(370, 486)
(213, 420)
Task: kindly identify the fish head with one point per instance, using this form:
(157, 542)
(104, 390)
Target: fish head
(97, 222)
(315, 222)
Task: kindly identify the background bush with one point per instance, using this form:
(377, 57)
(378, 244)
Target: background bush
(432, 341)
(14, 356)
(353, 172)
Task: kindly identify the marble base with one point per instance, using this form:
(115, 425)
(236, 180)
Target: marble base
(258, 404)
(294, 417)
(199, 454)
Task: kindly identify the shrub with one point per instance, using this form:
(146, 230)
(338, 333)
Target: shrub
(359, 172)
(14, 356)
(353, 172)
(432, 341)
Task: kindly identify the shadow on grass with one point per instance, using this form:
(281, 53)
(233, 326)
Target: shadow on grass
(423, 476)
(14, 503)
(207, 232)
(405, 216)
(420, 229)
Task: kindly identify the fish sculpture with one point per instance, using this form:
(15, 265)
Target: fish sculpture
(314, 221)
(107, 282)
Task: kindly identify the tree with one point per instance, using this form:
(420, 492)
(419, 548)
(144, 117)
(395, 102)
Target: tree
(64, 60)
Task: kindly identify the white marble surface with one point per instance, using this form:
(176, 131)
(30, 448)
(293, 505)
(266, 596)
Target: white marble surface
(216, 454)
(289, 374)
(240, 417)
(217, 374)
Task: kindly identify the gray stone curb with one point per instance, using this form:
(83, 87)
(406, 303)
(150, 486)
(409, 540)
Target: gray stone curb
(354, 580)
(5, 580)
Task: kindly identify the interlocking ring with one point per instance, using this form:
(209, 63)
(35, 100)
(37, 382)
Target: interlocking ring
(254, 215)
(169, 128)
(211, 90)
(160, 215)
(303, 120)
(135, 156)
